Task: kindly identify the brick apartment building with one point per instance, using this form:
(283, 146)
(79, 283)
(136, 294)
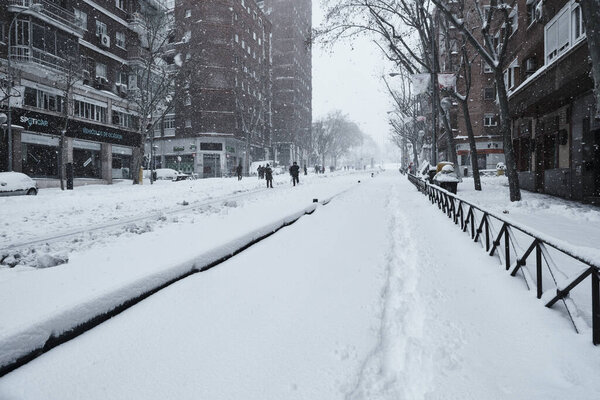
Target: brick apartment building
(554, 131)
(292, 78)
(483, 109)
(222, 110)
(47, 40)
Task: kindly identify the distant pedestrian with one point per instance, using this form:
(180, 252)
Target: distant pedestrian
(410, 168)
(238, 170)
(261, 172)
(295, 172)
(269, 176)
(305, 170)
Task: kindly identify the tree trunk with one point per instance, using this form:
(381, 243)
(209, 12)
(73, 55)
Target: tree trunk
(136, 163)
(415, 156)
(591, 17)
(451, 144)
(472, 145)
(61, 160)
(505, 131)
(323, 166)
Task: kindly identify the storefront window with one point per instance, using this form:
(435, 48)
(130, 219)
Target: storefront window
(86, 163)
(121, 162)
(40, 161)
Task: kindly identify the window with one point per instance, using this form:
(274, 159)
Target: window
(83, 109)
(122, 78)
(514, 20)
(243, 44)
(188, 13)
(490, 120)
(120, 4)
(169, 122)
(188, 100)
(236, 38)
(101, 28)
(187, 36)
(120, 39)
(489, 93)
(577, 26)
(563, 31)
(81, 18)
(42, 99)
(100, 70)
(188, 123)
(487, 69)
(122, 119)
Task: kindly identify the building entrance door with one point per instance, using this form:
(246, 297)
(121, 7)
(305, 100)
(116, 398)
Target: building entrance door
(591, 160)
(211, 165)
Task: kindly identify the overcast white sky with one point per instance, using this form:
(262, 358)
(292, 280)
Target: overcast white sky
(349, 78)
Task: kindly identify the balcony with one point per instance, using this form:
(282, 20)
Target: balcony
(30, 55)
(137, 54)
(50, 12)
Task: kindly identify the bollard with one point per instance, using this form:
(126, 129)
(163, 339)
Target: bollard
(315, 200)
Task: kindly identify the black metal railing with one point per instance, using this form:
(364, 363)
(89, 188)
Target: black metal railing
(503, 238)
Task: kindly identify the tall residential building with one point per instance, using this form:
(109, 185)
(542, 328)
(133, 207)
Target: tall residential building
(292, 78)
(222, 110)
(69, 60)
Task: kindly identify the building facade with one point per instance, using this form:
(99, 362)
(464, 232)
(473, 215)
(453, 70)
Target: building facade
(222, 102)
(556, 137)
(483, 109)
(66, 70)
(292, 78)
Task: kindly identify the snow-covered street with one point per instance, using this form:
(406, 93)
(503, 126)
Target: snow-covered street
(376, 295)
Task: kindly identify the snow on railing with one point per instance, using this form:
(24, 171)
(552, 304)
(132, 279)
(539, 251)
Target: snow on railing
(482, 226)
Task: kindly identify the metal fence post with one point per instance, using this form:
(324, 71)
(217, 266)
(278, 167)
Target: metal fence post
(538, 270)
(595, 307)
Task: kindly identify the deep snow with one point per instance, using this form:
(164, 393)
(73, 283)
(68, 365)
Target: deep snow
(376, 296)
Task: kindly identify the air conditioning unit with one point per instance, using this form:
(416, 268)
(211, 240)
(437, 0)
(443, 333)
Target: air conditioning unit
(530, 65)
(123, 90)
(105, 40)
(538, 12)
(101, 80)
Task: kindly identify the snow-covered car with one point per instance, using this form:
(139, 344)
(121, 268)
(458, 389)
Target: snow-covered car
(16, 183)
(170, 175)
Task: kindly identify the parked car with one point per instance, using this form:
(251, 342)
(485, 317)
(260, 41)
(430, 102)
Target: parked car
(170, 175)
(16, 183)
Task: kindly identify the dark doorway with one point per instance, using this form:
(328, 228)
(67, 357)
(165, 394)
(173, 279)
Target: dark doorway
(591, 160)
(211, 165)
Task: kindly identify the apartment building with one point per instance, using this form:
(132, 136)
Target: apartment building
(292, 78)
(222, 107)
(483, 109)
(555, 134)
(69, 60)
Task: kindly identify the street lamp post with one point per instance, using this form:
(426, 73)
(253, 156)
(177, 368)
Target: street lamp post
(33, 7)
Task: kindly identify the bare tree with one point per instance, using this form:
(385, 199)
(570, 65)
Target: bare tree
(489, 38)
(334, 135)
(591, 17)
(72, 75)
(404, 30)
(152, 79)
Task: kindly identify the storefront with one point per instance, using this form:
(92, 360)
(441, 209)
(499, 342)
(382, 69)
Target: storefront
(97, 152)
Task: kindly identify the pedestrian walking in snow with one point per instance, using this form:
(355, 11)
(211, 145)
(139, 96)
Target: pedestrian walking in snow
(261, 172)
(238, 170)
(269, 176)
(305, 170)
(295, 172)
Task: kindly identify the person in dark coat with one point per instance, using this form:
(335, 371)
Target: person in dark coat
(269, 176)
(295, 172)
(261, 172)
(238, 170)
(305, 170)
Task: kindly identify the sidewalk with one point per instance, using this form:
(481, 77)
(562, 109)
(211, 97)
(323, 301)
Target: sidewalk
(377, 296)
